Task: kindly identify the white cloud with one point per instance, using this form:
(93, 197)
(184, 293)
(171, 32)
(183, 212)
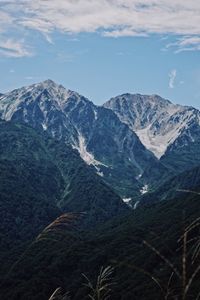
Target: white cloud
(6, 21)
(48, 38)
(172, 78)
(186, 43)
(112, 18)
(13, 48)
(128, 16)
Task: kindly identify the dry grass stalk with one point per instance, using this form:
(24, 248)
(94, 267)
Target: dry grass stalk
(102, 288)
(185, 277)
(57, 295)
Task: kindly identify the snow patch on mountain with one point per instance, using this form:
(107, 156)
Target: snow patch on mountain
(99, 172)
(95, 115)
(44, 126)
(144, 189)
(85, 155)
(158, 144)
(127, 201)
(136, 204)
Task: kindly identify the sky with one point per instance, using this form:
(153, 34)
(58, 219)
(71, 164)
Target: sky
(103, 48)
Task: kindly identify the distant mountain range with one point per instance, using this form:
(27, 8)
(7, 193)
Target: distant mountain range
(101, 138)
(134, 142)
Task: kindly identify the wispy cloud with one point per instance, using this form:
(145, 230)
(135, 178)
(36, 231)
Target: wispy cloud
(111, 18)
(186, 43)
(172, 78)
(6, 20)
(13, 48)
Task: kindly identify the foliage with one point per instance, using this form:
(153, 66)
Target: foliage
(60, 257)
(41, 178)
(175, 186)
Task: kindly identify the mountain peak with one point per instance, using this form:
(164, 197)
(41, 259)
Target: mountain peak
(157, 122)
(49, 82)
(59, 92)
(37, 103)
(153, 99)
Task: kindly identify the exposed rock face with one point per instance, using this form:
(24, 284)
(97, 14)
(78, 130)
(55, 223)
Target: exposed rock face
(160, 125)
(131, 141)
(96, 132)
(40, 106)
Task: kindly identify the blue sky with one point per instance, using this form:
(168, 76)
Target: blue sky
(102, 49)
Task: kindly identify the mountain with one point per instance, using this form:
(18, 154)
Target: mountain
(63, 252)
(171, 132)
(41, 179)
(110, 145)
(134, 142)
(40, 106)
(102, 140)
(175, 187)
(162, 127)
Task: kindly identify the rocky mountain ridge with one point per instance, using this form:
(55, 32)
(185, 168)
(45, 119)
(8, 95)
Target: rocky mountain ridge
(96, 132)
(158, 123)
(132, 141)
